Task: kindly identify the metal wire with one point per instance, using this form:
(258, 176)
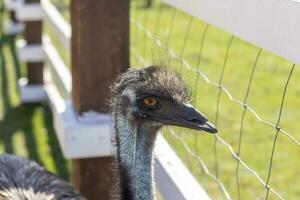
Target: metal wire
(222, 92)
(174, 13)
(277, 130)
(218, 103)
(242, 121)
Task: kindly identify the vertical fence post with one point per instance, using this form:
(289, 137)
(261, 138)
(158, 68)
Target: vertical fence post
(33, 35)
(12, 16)
(100, 51)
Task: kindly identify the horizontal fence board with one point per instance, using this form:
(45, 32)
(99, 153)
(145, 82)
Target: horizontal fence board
(31, 93)
(30, 52)
(57, 23)
(79, 139)
(57, 66)
(12, 5)
(29, 12)
(174, 180)
(270, 24)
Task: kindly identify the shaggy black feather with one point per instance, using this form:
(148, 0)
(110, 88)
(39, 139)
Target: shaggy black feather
(152, 79)
(19, 174)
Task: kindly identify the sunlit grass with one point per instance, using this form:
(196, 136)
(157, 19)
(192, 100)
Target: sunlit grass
(25, 129)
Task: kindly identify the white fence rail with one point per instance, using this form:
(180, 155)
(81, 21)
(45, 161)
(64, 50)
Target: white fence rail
(60, 26)
(272, 24)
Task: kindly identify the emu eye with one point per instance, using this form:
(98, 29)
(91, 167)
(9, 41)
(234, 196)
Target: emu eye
(150, 101)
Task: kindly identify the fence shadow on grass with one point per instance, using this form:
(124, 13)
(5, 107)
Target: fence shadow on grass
(22, 118)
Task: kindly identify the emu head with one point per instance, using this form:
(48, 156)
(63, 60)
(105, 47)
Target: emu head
(155, 97)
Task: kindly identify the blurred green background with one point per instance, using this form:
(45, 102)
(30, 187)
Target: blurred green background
(25, 129)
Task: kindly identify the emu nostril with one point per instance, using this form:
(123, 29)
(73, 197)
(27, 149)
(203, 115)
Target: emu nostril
(197, 120)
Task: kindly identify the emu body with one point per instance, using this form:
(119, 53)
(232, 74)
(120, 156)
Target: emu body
(142, 102)
(22, 179)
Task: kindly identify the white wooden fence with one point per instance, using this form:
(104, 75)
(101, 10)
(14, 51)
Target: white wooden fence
(270, 24)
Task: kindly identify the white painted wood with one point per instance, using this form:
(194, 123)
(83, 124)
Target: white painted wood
(31, 93)
(60, 26)
(12, 5)
(174, 180)
(30, 53)
(85, 136)
(30, 12)
(270, 24)
(79, 138)
(57, 66)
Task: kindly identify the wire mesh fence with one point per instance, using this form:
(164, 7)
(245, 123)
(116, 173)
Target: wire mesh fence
(250, 94)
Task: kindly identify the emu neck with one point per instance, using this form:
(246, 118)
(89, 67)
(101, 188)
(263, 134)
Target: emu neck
(135, 146)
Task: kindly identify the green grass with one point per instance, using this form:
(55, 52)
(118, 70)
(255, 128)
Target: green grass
(25, 129)
(264, 97)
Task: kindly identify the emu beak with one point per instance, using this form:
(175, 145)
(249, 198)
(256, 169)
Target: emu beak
(188, 116)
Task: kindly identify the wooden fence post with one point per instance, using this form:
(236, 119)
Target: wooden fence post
(12, 16)
(33, 35)
(100, 51)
